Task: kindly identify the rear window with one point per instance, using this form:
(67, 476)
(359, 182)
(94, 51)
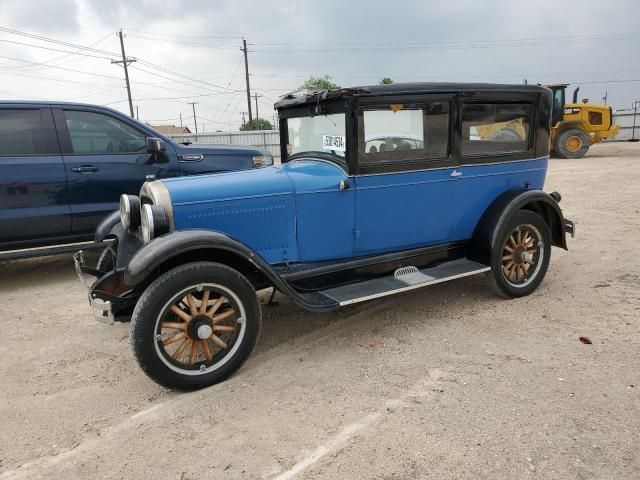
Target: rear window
(22, 133)
(489, 128)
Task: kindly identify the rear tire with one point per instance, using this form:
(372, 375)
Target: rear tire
(520, 258)
(177, 317)
(572, 143)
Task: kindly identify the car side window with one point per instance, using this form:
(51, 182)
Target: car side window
(404, 131)
(489, 128)
(22, 133)
(95, 133)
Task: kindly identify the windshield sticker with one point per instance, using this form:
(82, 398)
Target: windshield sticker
(334, 142)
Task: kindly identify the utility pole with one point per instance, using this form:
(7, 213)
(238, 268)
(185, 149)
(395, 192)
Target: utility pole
(633, 138)
(256, 96)
(605, 97)
(125, 63)
(195, 122)
(137, 113)
(180, 119)
(246, 75)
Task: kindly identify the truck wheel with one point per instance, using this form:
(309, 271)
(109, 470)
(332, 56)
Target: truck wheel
(521, 255)
(107, 260)
(572, 143)
(195, 325)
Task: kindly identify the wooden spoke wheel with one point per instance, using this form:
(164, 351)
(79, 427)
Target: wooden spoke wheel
(522, 255)
(198, 328)
(195, 325)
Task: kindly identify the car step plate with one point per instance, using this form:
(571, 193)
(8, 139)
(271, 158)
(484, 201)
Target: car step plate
(404, 279)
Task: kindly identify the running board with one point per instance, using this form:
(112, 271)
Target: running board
(403, 280)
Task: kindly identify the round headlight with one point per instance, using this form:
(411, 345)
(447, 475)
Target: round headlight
(154, 222)
(130, 211)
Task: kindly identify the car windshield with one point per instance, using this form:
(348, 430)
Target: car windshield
(321, 133)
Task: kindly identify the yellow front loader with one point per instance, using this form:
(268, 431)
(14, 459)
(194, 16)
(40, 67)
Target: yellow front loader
(575, 126)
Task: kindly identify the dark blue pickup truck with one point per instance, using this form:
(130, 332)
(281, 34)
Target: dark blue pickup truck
(63, 167)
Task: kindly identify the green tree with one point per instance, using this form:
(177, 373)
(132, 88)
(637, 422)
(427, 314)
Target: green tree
(386, 81)
(256, 124)
(313, 84)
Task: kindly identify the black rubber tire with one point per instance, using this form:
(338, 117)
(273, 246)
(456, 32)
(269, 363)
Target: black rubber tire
(107, 260)
(496, 276)
(560, 148)
(143, 322)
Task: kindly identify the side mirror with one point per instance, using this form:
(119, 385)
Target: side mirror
(156, 147)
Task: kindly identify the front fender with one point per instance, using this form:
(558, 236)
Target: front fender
(105, 227)
(164, 248)
(161, 250)
(485, 235)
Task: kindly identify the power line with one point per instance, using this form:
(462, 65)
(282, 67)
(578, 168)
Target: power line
(58, 42)
(54, 49)
(59, 68)
(188, 44)
(185, 36)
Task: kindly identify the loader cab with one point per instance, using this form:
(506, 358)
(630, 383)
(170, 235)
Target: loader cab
(559, 101)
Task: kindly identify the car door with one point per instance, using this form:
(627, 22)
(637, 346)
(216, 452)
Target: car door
(104, 156)
(406, 174)
(33, 185)
(497, 155)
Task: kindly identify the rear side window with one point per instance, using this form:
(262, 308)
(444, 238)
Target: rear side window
(22, 133)
(489, 128)
(95, 133)
(404, 131)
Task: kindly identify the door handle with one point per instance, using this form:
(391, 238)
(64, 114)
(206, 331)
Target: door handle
(85, 169)
(456, 173)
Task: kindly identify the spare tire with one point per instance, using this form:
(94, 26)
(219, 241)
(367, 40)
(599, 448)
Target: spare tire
(572, 143)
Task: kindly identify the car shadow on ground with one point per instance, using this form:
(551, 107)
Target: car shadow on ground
(283, 322)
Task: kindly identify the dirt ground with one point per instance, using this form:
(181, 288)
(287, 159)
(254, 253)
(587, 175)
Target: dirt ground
(445, 382)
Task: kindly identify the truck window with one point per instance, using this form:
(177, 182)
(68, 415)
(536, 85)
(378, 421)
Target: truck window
(22, 133)
(95, 133)
(489, 129)
(398, 132)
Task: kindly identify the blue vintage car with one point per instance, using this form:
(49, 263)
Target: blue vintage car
(452, 188)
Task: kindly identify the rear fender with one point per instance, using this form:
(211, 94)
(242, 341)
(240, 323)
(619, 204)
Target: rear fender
(485, 236)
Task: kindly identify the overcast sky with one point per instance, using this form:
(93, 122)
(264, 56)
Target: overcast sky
(584, 43)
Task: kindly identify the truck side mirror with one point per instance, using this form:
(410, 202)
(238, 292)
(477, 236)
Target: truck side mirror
(156, 147)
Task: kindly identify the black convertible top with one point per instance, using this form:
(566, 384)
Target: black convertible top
(292, 99)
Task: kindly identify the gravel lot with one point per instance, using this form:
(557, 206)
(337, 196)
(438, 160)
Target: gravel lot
(446, 382)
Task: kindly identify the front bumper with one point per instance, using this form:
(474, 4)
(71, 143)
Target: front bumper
(570, 227)
(108, 294)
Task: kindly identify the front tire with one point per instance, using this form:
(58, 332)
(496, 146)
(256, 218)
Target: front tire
(195, 325)
(572, 143)
(520, 258)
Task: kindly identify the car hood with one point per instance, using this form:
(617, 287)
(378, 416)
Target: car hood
(243, 184)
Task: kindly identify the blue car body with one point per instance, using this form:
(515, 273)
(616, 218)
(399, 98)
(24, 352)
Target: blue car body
(55, 186)
(297, 213)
